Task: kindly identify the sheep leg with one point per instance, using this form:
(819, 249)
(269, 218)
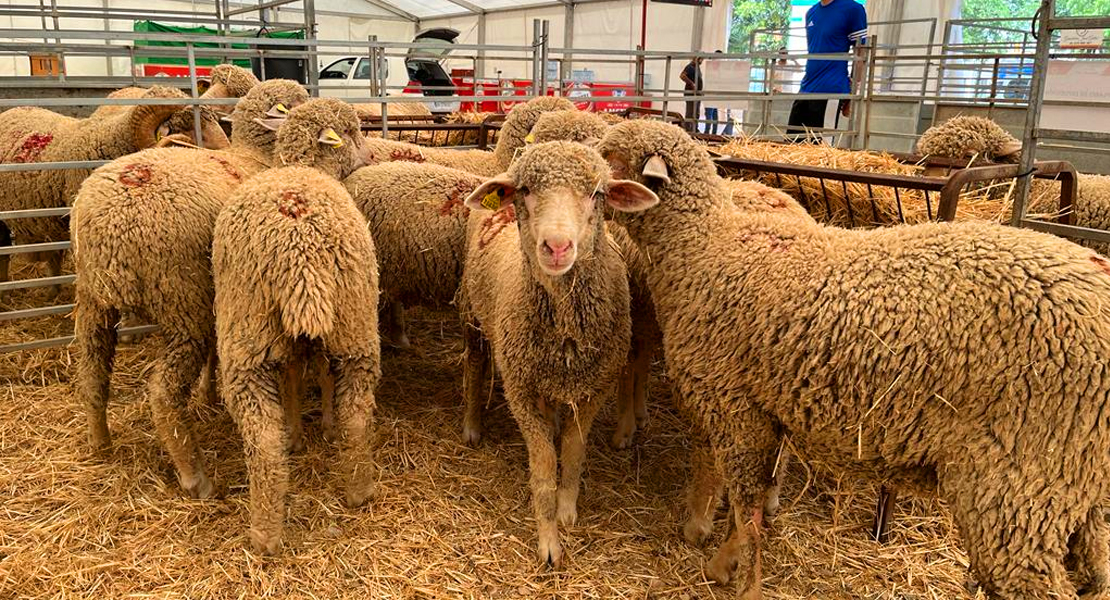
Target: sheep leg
(327, 399)
(354, 410)
(209, 391)
(575, 435)
(771, 502)
(174, 374)
(393, 325)
(95, 333)
(54, 269)
(291, 393)
(744, 542)
(476, 369)
(252, 397)
(632, 398)
(1089, 556)
(538, 430)
(705, 490)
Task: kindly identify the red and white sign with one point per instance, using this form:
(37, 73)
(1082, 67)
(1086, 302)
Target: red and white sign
(149, 70)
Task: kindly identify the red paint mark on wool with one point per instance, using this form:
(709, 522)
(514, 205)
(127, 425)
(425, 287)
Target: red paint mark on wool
(228, 168)
(135, 175)
(1101, 263)
(456, 198)
(293, 204)
(406, 155)
(32, 147)
(493, 224)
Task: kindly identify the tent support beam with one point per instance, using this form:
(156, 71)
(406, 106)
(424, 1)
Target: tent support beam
(566, 66)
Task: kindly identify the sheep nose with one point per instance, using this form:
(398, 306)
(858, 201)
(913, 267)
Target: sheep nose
(557, 247)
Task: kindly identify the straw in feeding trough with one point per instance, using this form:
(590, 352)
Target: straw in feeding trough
(451, 521)
(858, 204)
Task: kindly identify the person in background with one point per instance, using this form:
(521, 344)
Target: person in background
(711, 115)
(691, 76)
(832, 27)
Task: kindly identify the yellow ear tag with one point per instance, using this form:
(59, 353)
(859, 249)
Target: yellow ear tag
(528, 139)
(281, 108)
(492, 201)
(333, 138)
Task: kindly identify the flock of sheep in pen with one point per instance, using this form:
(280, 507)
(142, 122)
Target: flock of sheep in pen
(960, 360)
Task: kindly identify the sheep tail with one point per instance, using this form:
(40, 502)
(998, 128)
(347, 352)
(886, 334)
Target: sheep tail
(306, 294)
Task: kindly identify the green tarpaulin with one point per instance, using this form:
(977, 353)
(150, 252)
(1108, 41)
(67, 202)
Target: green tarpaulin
(151, 26)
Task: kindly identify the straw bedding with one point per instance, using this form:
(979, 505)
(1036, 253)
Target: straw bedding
(857, 204)
(452, 522)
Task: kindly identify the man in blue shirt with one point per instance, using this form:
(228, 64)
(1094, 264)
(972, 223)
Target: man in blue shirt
(832, 27)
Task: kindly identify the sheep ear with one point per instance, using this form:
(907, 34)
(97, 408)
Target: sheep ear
(271, 124)
(655, 168)
(330, 138)
(493, 194)
(591, 142)
(629, 196)
(278, 111)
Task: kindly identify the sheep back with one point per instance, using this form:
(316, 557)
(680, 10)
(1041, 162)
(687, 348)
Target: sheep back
(418, 222)
(292, 257)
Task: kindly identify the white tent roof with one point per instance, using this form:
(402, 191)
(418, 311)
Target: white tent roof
(432, 9)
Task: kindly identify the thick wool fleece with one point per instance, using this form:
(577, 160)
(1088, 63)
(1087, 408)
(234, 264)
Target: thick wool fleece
(890, 354)
(237, 81)
(418, 222)
(245, 132)
(31, 135)
(142, 229)
(293, 261)
(298, 139)
(510, 141)
(965, 137)
(568, 125)
(555, 341)
(1091, 209)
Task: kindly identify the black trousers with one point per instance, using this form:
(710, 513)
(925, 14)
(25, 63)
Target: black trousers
(693, 110)
(806, 113)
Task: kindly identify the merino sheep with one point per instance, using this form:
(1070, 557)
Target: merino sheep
(517, 126)
(548, 299)
(225, 81)
(418, 221)
(968, 137)
(295, 272)
(142, 230)
(930, 355)
(35, 135)
(567, 125)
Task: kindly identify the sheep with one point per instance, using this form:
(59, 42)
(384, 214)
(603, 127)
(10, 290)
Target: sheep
(969, 137)
(548, 299)
(142, 230)
(32, 135)
(567, 125)
(517, 126)
(930, 355)
(418, 221)
(295, 272)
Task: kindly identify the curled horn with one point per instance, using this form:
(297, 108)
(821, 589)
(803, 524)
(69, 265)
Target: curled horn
(655, 168)
(145, 119)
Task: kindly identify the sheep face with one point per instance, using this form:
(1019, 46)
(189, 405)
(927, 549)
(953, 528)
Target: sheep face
(557, 191)
(179, 127)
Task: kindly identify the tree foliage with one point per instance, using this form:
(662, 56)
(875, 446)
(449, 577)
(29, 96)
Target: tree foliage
(1022, 9)
(750, 15)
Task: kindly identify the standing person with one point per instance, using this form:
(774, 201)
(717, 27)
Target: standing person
(691, 76)
(832, 27)
(711, 115)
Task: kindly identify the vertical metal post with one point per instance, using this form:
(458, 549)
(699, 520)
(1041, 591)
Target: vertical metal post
(194, 93)
(545, 46)
(58, 41)
(994, 87)
(640, 71)
(864, 136)
(312, 58)
(383, 90)
(770, 66)
(666, 86)
(942, 63)
(537, 33)
(480, 59)
(108, 27)
(566, 66)
(1033, 112)
(928, 65)
(372, 56)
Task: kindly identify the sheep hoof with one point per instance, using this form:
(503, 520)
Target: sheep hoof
(330, 435)
(356, 497)
(199, 488)
(296, 444)
(567, 511)
(771, 505)
(265, 544)
(622, 437)
(696, 531)
(549, 551)
(101, 443)
(721, 567)
(472, 435)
